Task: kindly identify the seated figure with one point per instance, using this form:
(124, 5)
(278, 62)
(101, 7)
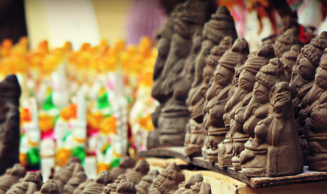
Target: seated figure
(274, 147)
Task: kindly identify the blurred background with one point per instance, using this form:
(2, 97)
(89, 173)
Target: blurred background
(85, 68)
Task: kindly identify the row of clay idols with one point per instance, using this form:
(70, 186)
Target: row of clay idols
(240, 104)
(248, 119)
(127, 178)
(184, 68)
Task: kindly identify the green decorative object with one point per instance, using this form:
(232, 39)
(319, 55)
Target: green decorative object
(79, 152)
(115, 162)
(33, 159)
(103, 101)
(48, 104)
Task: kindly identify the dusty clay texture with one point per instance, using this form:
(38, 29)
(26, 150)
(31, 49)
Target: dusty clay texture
(186, 186)
(126, 187)
(136, 174)
(49, 187)
(285, 41)
(66, 173)
(233, 144)
(112, 187)
(144, 186)
(196, 133)
(168, 180)
(74, 182)
(173, 74)
(82, 186)
(302, 80)
(313, 115)
(274, 147)
(125, 163)
(11, 177)
(217, 96)
(289, 59)
(101, 181)
(9, 122)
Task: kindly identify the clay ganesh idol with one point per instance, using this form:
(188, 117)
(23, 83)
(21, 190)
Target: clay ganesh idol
(217, 96)
(289, 59)
(196, 133)
(230, 149)
(274, 148)
(168, 180)
(9, 129)
(315, 103)
(285, 41)
(173, 82)
(302, 80)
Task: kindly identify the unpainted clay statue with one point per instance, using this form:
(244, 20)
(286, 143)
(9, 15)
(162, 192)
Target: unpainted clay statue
(199, 188)
(230, 149)
(314, 104)
(112, 187)
(124, 164)
(24, 188)
(274, 146)
(49, 187)
(221, 24)
(34, 178)
(136, 174)
(217, 96)
(196, 133)
(74, 182)
(82, 186)
(186, 186)
(163, 51)
(126, 187)
(289, 59)
(12, 176)
(101, 181)
(9, 129)
(144, 186)
(66, 173)
(285, 41)
(302, 80)
(168, 180)
(171, 88)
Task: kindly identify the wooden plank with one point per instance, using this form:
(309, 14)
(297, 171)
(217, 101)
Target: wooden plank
(178, 152)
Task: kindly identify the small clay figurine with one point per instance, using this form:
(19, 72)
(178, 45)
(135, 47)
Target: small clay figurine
(112, 187)
(82, 186)
(233, 144)
(12, 176)
(126, 187)
(313, 105)
(217, 96)
(173, 80)
(289, 59)
(168, 180)
(302, 80)
(124, 164)
(285, 41)
(24, 188)
(9, 130)
(186, 186)
(135, 175)
(74, 182)
(199, 188)
(34, 178)
(49, 187)
(196, 133)
(274, 148)
(144, 186)
(65, 173)
(101, 181)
